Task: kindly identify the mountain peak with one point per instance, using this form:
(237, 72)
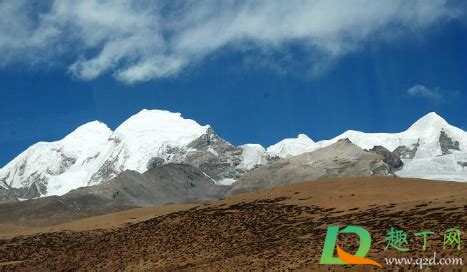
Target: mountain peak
(304, 137)
(147, 133)
(89, 131)
(430, 120)
(159, 121)
(291, 146)
(432, 116)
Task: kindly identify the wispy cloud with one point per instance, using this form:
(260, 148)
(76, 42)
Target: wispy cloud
(145, 40)
(419, 90)
(435, 94)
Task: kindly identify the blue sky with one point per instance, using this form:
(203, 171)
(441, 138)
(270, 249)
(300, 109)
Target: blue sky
(255, 72)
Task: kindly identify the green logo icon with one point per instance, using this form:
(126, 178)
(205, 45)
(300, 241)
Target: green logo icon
(343, 257)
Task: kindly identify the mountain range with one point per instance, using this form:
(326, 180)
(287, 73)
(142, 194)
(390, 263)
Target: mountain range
(95, 156)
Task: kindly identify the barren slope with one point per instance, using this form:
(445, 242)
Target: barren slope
(341, 159)
(279, 228)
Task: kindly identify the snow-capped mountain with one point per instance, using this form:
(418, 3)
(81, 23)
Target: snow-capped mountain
(143, 137)
(62, 165)
(425, 134)
(92, 154)
(431, 148)
(148, 133)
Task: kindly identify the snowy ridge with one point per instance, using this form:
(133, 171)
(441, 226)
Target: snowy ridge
(292, 146)
(93, 153)
(369, 140)
(426, 132)
(63, 165)
(430, 148)
(423, 137)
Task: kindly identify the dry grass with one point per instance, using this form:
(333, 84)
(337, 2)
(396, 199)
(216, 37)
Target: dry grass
(107, 221)
(276, 229)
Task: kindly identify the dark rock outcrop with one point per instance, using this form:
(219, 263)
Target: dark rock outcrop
(37, 188)
(446, 143)
(213, 155)
(389, 157)
(405, 152)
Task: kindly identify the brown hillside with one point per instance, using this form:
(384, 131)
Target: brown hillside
(276, 229)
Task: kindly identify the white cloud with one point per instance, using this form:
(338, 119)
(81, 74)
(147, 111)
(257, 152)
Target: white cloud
(419, 90)
(144, 40)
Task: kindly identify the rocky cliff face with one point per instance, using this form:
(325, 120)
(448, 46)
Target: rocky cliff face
(405, 152)
(210, 153)
(168, 183)
(391, 158)
(446, 143)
